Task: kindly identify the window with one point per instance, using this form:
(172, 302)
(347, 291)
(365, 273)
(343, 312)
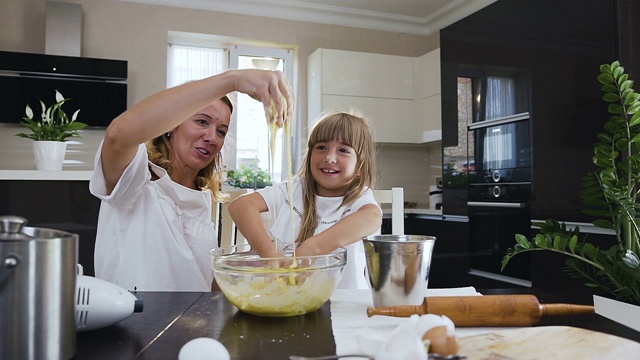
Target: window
(186, 63)
(248, 141)
(248, 123)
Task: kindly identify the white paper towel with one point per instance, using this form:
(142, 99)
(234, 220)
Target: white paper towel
(349, 314)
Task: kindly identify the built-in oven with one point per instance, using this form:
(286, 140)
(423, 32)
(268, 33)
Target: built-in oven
(498, 211)
(494, 104)
(499, 196)
(499, 150)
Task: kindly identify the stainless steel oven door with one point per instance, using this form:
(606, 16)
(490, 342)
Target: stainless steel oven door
(492, 228)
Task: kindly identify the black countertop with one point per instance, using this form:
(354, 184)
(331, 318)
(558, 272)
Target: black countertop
(171, 319)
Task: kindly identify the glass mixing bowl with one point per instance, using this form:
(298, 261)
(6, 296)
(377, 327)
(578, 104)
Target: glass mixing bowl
(284, 286)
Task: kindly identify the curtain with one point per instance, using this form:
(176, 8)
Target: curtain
(499, 145)
(187, 63)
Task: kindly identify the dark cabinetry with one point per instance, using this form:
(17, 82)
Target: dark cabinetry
(96, 86)
(450, 262)
(561, 56)
(61, 205)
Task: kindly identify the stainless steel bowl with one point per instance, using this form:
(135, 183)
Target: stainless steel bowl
(398, 268)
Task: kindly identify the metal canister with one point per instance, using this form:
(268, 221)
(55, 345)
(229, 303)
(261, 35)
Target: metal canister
(37, 287)
(398, 268)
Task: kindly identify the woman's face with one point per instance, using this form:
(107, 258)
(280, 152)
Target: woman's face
(197, 140)
(333, 166)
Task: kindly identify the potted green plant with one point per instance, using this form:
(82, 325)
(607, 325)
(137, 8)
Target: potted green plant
(611, 194)
(50, 133)
(248, 177)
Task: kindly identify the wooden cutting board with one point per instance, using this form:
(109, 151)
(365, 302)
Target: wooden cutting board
(547, 342)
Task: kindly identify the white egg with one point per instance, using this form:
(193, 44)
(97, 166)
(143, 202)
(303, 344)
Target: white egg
(203, 348)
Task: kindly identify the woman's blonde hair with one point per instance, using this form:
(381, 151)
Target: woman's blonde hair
(209, 177)
(351, 128)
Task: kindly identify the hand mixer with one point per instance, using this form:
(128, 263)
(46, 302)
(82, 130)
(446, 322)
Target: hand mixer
(100, 303)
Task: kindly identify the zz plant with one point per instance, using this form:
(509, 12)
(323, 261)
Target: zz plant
(611, 195)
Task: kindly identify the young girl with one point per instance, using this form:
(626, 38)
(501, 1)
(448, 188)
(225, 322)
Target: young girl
(333, 203)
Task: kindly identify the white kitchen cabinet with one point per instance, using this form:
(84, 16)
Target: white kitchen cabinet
(428, 100)
(386, 88)
(350, 73)
(390, 118)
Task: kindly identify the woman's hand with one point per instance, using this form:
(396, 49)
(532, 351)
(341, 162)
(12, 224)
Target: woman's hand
(272, 89)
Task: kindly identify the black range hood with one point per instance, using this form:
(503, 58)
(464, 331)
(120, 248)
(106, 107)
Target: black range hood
(96, 86)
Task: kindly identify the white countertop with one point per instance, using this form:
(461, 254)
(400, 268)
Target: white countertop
(45, 175)
(417, 211)
(422, 211)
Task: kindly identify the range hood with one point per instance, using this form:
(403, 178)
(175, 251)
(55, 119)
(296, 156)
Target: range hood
(63, 34)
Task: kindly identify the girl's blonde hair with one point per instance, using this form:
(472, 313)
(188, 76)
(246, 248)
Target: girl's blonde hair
(351, 128)
(209, 177)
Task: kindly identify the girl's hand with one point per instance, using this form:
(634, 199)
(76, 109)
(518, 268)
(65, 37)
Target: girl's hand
(308, 248)
(272, 89)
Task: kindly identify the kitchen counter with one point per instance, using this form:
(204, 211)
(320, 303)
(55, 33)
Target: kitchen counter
(386, 211)
(170, 319)
(423, 211)
(45, 175)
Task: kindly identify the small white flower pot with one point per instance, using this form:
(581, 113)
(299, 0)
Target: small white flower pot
(49, 155)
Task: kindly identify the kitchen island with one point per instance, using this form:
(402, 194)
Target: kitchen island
(171, 319)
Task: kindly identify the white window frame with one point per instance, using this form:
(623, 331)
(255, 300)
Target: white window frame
(241, 47)
(287, 55)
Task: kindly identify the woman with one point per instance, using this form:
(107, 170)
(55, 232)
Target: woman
(154, 227)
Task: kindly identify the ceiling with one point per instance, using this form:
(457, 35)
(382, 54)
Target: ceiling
(419, 17)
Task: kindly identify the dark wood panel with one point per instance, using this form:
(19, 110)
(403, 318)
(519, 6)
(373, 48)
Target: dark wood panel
(450, 261)
(60, 205)
(128, 338)
(247, 336)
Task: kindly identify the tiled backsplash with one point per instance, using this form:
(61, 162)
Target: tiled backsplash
(414, 167)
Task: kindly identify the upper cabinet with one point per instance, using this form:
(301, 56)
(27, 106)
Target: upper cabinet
(428, 111)
(390, 90)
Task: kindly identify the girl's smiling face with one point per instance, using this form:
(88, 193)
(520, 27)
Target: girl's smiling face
(333, 166)
(196, 141)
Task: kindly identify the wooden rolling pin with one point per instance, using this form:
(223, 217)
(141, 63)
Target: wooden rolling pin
(488, 310)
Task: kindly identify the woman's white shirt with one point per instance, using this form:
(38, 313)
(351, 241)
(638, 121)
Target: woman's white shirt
(329, 211)
(152, 235)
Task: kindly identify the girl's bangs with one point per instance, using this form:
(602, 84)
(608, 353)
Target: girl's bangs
(340, 127)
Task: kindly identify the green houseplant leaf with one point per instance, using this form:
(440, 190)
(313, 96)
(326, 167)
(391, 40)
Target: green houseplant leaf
(248, 177)
(54, 124)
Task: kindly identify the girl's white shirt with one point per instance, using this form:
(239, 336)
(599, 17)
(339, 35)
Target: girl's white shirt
(152, 235)
(329, 211)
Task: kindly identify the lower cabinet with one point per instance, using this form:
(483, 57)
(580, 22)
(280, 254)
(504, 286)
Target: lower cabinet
(550, 274)
(56, 204)
(450, 260)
